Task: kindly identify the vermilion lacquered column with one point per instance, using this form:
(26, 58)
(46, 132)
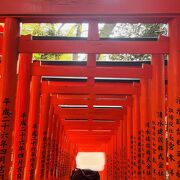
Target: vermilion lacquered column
(116, 156)
(111, 155)
(68, 159)
(56, 149)
(48, 149)
(74, 154)
(146, 158)
(63, 156)
(42, 136)
(0, 75)
(91, 64)
(129, 144)
(21, 116)
(158, 118)
(61, 168)
(174, 99)
(53, 147)
(72, 158)
(8, 93)
(0, 57)
(104, 172)
(125, 144)
(64, 161)
(33, 123)
(106, 162)
(109, 161)
(105, 166)
(136, 130)
(59, 152)
(68, 152)
(121, 149)
(118, 142)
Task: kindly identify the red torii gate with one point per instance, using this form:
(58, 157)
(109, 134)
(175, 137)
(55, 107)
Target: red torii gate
(12, 45)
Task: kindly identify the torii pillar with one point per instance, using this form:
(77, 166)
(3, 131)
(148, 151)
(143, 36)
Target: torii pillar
(21, 116)
(174, 99)
(158, 118)
(146, 155)
(8, 93)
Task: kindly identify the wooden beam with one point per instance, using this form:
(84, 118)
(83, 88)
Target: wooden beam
(93, 127)
(89, 8)
(99, 18)
(84, 71)
(96, 102)
(89, 133)
(85, 139)
(97, 89)
(90, 148)
(82, 114)
(97, 47)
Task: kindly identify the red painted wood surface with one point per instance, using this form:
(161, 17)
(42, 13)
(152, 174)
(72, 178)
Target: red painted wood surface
(79, 71)
(93, 46)
(158, 118)
(42, 136)
(33, 124)
(91, 7)
(98, 88)
(21, 115)
(129, 142)
(8, 93)
(146, 137)
(174, 101)
(136, 133)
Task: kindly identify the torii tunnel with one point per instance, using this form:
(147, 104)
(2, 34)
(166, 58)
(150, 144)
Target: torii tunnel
(51, 110)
